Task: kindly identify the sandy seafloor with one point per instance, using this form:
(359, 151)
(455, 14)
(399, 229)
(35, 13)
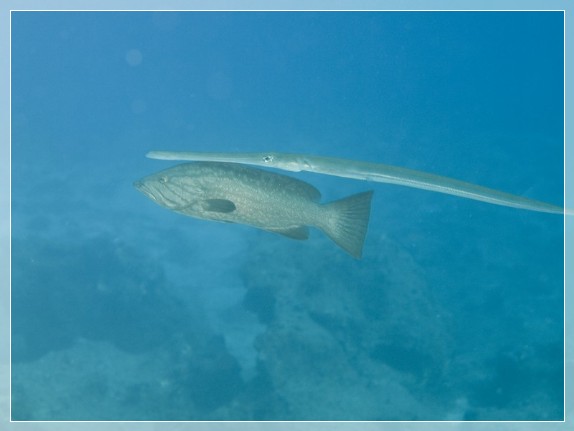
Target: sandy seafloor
(122, 310)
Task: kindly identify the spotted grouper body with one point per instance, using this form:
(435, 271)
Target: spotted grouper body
(230, 192)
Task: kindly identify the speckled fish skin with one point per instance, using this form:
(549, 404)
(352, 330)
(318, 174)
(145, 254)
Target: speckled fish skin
(231, 192)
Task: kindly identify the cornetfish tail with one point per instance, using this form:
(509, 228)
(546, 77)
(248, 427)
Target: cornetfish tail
(347, 220)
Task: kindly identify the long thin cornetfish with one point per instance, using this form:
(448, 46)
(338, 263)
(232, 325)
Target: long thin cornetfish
(377, 172)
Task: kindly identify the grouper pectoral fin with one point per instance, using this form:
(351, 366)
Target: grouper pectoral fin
(218, 205)
(299, 232)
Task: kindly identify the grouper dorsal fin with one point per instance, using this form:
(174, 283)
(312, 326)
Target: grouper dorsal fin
(218, 205)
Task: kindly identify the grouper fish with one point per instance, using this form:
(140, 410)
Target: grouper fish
(235, 193)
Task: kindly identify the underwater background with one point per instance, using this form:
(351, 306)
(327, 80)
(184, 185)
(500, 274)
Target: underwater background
(122, 310)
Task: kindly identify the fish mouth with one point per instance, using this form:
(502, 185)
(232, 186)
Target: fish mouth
(146, 189)
(140, 185)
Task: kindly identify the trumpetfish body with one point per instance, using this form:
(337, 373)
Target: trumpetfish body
(369, 171)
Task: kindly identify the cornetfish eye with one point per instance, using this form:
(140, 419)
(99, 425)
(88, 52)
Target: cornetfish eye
(268, 158)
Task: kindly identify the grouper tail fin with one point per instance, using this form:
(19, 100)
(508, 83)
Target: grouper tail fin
(346, 222)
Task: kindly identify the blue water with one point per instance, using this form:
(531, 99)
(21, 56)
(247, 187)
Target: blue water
(122, 310)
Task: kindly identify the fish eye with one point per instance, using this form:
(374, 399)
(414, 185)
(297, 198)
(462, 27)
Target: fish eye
(268, 158)
(163, 179)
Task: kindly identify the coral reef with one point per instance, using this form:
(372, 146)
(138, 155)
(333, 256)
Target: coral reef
(348, 340)
(98, 333)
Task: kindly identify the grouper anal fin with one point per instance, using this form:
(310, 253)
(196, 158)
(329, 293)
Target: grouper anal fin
(298, 232)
